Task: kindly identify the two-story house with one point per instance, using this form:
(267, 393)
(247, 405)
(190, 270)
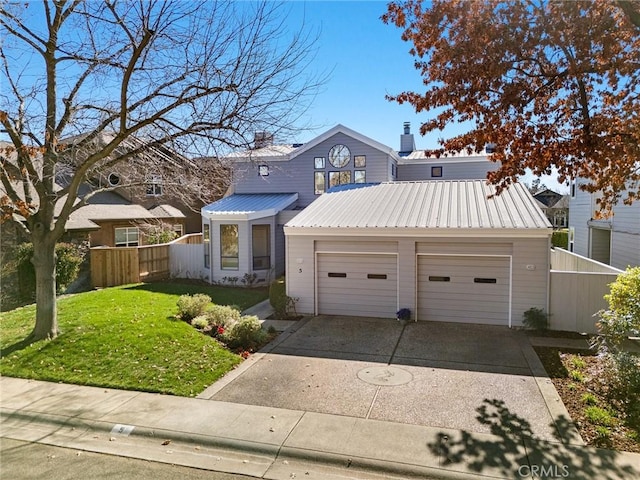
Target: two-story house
(614, 240)
(363, 229)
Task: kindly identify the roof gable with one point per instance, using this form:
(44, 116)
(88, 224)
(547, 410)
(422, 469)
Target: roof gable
(348, 132)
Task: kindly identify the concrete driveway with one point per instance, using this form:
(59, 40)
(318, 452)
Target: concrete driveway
(460, 376)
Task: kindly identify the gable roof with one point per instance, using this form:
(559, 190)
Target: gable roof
(284, 153)
(350, 133)
(447, 206)
(249, 206)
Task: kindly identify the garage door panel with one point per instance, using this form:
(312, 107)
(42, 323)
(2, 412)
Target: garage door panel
(476, 289)
(357, 293)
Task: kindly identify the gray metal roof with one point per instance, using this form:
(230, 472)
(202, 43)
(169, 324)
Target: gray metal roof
(436, 204)
(250, 205)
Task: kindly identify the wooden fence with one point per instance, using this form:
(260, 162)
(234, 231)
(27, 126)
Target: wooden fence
(577, 286)
(111, 266)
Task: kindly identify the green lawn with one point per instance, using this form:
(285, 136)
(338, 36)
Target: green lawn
(123, 337)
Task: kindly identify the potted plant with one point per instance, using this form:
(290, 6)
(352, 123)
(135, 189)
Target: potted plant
(403, 315)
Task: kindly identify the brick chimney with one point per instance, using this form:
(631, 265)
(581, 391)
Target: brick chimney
(262, 139)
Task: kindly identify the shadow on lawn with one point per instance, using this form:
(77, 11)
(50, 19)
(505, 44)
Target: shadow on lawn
(548, 459)
(24, 343)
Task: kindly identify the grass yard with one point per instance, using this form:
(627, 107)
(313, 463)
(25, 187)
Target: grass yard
(123, 337)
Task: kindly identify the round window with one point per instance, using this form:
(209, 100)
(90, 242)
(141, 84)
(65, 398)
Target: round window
(339, 156)
(113, 179)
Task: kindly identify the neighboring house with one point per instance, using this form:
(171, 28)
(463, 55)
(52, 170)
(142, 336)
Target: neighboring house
(441, 248)
(555, 206)
(614, 240)
(271, 184)
(156, 177)
(120, 223)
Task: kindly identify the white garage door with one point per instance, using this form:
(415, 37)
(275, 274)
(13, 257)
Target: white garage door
(360, 285)
(463, 289)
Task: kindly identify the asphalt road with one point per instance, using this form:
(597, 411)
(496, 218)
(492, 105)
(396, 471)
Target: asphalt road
(25, 461)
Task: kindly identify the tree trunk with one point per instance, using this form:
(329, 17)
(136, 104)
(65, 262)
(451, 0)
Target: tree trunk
(44, 262)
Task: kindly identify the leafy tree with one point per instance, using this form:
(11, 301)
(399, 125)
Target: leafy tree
(192, 76)
(550, 83)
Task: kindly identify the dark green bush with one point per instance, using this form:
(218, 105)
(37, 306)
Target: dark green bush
(69, 257)
(278, 297)
(536, 319)
(192, 306)
(560, 238)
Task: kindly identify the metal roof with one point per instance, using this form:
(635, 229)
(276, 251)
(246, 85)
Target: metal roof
(250, 205)
(436, 204)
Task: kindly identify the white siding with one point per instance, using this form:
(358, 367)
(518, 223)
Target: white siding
(530, 276)
(579, 215)
(625, 249)
(300, 272)
(530, 264)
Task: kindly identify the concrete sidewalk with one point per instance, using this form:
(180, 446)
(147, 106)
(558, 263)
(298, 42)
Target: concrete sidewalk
(282, 444)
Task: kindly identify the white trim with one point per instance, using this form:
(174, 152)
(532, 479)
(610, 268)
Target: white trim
(420, 232)
(339, 252)
(510, 257)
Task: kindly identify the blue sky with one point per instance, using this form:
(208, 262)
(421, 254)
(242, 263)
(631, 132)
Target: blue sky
(366, 60)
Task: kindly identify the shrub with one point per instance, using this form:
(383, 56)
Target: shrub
(578, 362)
(222, 316)
(576, 375)
(191, 306)
(69, 257)
(599, 416)
(278, 297)
(536, 319)
(246, 334)
(560, 238)
(200, 322)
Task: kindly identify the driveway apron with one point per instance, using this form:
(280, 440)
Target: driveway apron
(457, 376)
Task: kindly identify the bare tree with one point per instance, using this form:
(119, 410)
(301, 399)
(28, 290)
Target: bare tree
(193, 76)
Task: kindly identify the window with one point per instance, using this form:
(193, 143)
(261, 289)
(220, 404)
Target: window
(206, 240)
(318, 162)
(319, 182)
(439, 279)
(359, 176)
(573, 188)
(360, 161)
(113, 179)
(394, 171)
(339, 178)
(436, 172)
(263, 170)
(229, 247)
(127, 237)
(154, 186)
(339, 155)
(261, 246)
